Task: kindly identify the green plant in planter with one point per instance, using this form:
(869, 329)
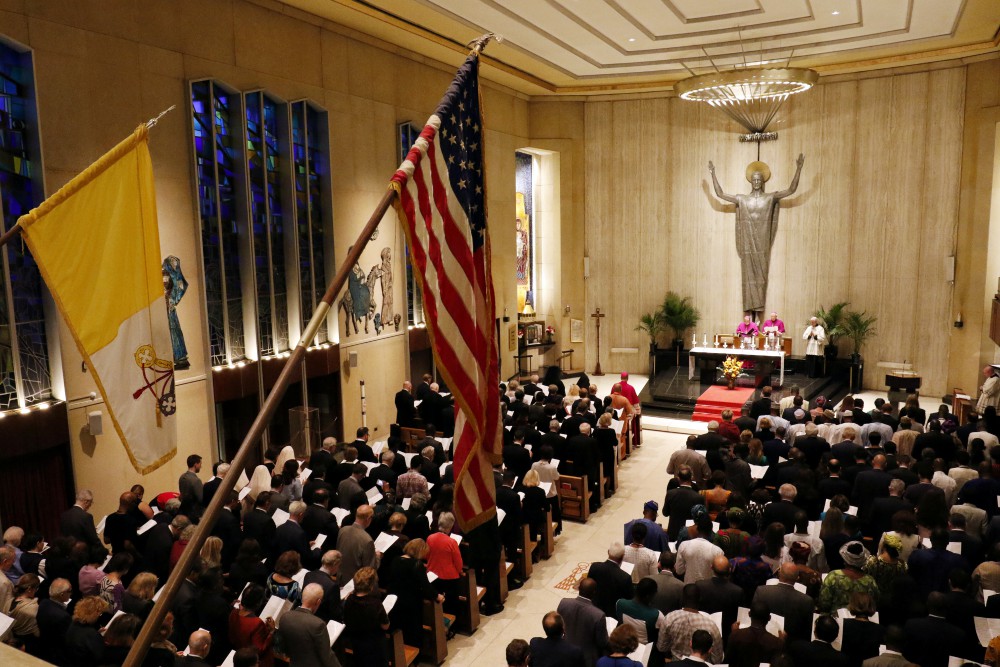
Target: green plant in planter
(860, 328)
(833, 322)
(678, 314)
(650, 325)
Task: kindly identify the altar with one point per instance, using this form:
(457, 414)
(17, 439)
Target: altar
(706, 352)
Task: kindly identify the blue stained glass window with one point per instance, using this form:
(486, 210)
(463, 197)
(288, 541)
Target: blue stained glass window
(311, 178)
(214, 110)
(24, 366)
(266, 127)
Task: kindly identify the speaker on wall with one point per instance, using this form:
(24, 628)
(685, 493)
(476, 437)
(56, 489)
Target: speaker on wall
(95, 422)
(353, 357)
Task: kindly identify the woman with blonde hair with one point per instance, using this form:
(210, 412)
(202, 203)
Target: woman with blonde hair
(211, 553)
(366, 619)
(534, 505)
(138, 597)
(548, 472)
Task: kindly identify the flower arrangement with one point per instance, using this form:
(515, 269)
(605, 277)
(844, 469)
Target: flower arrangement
(520, 333)
(732, 368)
(550, 330)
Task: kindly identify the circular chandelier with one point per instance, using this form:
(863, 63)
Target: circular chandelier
(751, 97)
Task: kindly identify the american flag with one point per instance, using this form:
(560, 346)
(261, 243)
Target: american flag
(442, 203)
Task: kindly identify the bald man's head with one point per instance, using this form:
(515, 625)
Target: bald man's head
(200, 643)
(720, 566)
(788, 574)
(312, 596)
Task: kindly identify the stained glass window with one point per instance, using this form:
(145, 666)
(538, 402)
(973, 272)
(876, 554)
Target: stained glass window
(267, 136)
(310, 157)
(218, 161)
(24, 365)
(524, 229)
(406, 135)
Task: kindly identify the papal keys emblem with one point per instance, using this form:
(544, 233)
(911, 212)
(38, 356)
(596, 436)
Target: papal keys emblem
(158, 375)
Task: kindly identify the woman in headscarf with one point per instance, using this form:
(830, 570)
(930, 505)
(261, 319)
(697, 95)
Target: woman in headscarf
(259, 482)
(799, 553)
(887, 566)
(840, 584)
(286, 454)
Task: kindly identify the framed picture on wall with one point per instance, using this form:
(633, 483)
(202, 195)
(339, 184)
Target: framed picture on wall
(511, 337)
(576, 331)
(533, 333)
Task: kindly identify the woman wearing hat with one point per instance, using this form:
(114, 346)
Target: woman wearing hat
(799, 553)
(840, 584)
(886, 567)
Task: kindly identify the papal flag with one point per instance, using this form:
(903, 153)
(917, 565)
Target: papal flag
(98, 248)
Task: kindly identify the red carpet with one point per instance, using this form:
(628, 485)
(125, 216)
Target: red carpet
(718, 397)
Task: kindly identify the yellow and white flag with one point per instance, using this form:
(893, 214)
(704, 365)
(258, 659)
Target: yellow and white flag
(97, 246)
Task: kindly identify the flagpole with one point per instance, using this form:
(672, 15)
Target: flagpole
(14, 231)
(292, 366)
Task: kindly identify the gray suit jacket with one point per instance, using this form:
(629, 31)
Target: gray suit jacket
(668, 592)
(796, 607)
(306, 640)
(585, 627)
(886, 660)
(357, 549)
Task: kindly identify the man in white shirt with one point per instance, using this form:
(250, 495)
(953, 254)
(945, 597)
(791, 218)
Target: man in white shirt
(815, 336)
(695, 556)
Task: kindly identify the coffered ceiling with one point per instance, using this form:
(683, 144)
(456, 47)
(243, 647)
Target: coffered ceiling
(594, 46)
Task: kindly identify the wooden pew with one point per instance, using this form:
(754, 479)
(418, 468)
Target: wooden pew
(398, 653)
(505, 570)
(601, 484)
(412, 437)
(548, 536)
(467, 619)
(574, 497)
(525, 549)
(435, 648)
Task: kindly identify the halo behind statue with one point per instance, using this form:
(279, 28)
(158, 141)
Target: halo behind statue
(762, 167)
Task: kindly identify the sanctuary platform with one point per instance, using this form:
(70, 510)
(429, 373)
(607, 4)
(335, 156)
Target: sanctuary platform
(717, 398)
(671, 394)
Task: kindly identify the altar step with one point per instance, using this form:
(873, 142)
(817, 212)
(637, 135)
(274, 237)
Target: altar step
(717, 398)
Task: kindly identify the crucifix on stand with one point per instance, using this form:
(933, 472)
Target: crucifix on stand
(597, 320)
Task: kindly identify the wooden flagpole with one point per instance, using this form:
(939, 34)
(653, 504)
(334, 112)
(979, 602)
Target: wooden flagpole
(292, 366)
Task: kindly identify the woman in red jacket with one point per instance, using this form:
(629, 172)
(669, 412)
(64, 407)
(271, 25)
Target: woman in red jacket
(445, 561)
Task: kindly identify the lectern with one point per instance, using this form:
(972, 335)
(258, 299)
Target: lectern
(901, 384)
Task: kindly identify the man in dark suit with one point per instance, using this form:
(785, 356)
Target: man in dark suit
(516, 457)
(819, 651)
(782, 511)
(159, 541)
(431, 407)
(257, 524)
(383, 473)
(869, 485)
(701, 648)
(510, 503)
(678, 502)
(720, 594)
(762, 406)
(710, 440)
(931, 639)
(613, 584)
(571, 425)
(424, 388)
(584, 451)
(970, 547)
(360, 443)
(586, 626)
(289, 536)
(895, 642)
(322, 459)
(554, 650)
(331, 609)
(783, 600)
(930, 567)
(812, 446)
(53, 620)
(77, 522)
(845, 450)
(199, 645)
(227, 528)
(317, 519)
(834, 485)
(883, 509)
(304, 633)
(219, 470)
(406, 414)
(668, 586)
(752, 645)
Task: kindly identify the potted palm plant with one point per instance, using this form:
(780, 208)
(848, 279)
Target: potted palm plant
(832, 321)
(651, 325)
(678, 315)
(860, 328)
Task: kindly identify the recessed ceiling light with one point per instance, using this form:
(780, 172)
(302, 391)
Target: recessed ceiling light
(631, 39)
(835, 13)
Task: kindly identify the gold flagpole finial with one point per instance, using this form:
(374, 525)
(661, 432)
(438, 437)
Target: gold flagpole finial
(477, 45)
(153, 121)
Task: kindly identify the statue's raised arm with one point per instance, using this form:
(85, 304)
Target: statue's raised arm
(718, 188)
(795, 180)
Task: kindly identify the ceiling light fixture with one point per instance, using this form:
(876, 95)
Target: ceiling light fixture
(835, 13)
(750, 96)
